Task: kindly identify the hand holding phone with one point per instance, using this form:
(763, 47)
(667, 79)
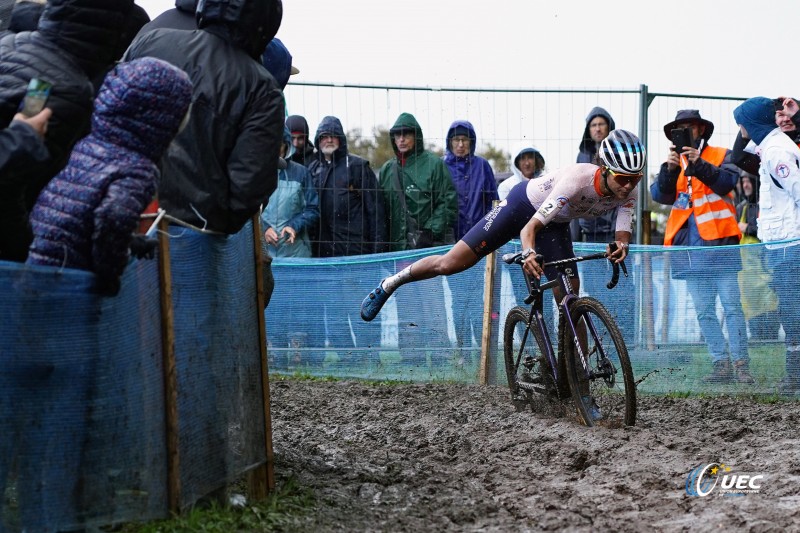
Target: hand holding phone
(35, 97)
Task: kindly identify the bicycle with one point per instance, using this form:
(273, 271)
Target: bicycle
(591, 350)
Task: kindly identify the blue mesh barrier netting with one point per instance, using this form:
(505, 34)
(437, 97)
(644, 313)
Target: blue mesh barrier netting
(82, 438)
(433, 329)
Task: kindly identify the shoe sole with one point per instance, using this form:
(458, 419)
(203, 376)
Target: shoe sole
(373, 303)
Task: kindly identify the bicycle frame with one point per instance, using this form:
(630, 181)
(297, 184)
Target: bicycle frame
(536, 298)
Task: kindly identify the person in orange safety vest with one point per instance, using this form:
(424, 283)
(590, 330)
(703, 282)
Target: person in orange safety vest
(697, 180)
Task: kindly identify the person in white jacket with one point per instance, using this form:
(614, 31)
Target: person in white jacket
(779, 216)
(528, 164)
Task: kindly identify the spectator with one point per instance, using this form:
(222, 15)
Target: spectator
(787, 118)
(424, 215)
(476, 188)
(421, 207)
(779, 217)
(181, 17)
(304, 152)
(352, 222)
(278, 61)
(696, 183)
(472, 176)
(759, 302)
(352, 219)
(75, 41)
(86, 215)
(601, 229)
(224, 163)
(292, 209)
(528, 164)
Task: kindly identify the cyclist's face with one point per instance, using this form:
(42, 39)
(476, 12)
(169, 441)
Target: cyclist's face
(622, 185)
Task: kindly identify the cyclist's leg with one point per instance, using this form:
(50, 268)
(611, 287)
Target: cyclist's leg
(499, 226)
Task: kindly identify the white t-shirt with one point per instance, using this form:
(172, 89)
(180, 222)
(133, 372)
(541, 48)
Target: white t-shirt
(574, 192)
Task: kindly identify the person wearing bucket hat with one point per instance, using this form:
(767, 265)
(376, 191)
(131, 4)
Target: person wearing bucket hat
(698, 183)
(778, 218)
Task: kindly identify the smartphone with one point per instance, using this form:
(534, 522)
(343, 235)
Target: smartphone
(35, 97)
(681, 137)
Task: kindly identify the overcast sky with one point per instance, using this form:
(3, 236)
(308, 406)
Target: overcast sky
(734, 48)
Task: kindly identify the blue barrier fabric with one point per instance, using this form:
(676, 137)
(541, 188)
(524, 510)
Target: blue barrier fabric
(680, 310)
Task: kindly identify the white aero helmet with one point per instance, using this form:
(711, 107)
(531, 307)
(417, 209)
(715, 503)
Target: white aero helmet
(622, 152)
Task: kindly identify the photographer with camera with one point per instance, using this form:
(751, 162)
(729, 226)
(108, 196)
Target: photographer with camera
(697, 180)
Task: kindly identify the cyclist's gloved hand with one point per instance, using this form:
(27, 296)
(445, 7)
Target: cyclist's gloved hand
(143, 247)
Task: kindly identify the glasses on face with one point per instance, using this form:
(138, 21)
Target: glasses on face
(460, 140)
(624, 179)
(401, 134)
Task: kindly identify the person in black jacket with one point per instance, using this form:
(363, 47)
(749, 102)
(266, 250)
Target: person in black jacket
(74, 42)
(351, 208)
(223, 165)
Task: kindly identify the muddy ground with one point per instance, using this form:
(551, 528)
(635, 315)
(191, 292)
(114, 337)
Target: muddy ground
(445, 457)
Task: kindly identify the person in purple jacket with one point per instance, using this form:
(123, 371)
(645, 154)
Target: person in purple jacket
(473, 179)
(85, 216)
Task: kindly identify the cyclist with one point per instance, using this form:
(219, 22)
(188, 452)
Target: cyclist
(539, 211)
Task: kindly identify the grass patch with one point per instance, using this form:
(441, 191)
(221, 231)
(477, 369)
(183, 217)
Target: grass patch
(281, 511)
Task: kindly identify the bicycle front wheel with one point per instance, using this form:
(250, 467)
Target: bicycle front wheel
(527, 368)
(603, 390)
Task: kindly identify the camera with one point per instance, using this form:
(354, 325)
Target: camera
(778, 104)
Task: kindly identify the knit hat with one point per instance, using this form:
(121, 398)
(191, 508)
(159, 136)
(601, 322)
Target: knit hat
(757, 115)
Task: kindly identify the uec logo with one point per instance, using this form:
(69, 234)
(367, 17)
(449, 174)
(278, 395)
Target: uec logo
(705, 478)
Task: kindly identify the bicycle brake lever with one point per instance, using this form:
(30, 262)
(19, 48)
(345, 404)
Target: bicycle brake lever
(624, 268)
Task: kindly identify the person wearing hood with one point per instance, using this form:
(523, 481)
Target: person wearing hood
(352, 222)
(86, 215)
(698, 183)
(528, 164)
(779, 217)
(75, 40)
(424, 215)
(84, 219)
(304, 152)
(473, 179)
(601, 229)
(787, 118)
(224, 164)
(421, 207)
(352, 219)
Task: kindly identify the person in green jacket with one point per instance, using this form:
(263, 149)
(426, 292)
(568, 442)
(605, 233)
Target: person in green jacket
(421, 207)
(424, 215)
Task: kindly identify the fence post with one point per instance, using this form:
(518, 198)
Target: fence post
(169, 370)
(487, 367)
(261, 479)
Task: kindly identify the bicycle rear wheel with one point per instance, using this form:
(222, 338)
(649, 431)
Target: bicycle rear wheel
(527, 368)
(605, 392)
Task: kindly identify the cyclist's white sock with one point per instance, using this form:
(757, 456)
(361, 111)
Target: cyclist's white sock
(391, 283)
